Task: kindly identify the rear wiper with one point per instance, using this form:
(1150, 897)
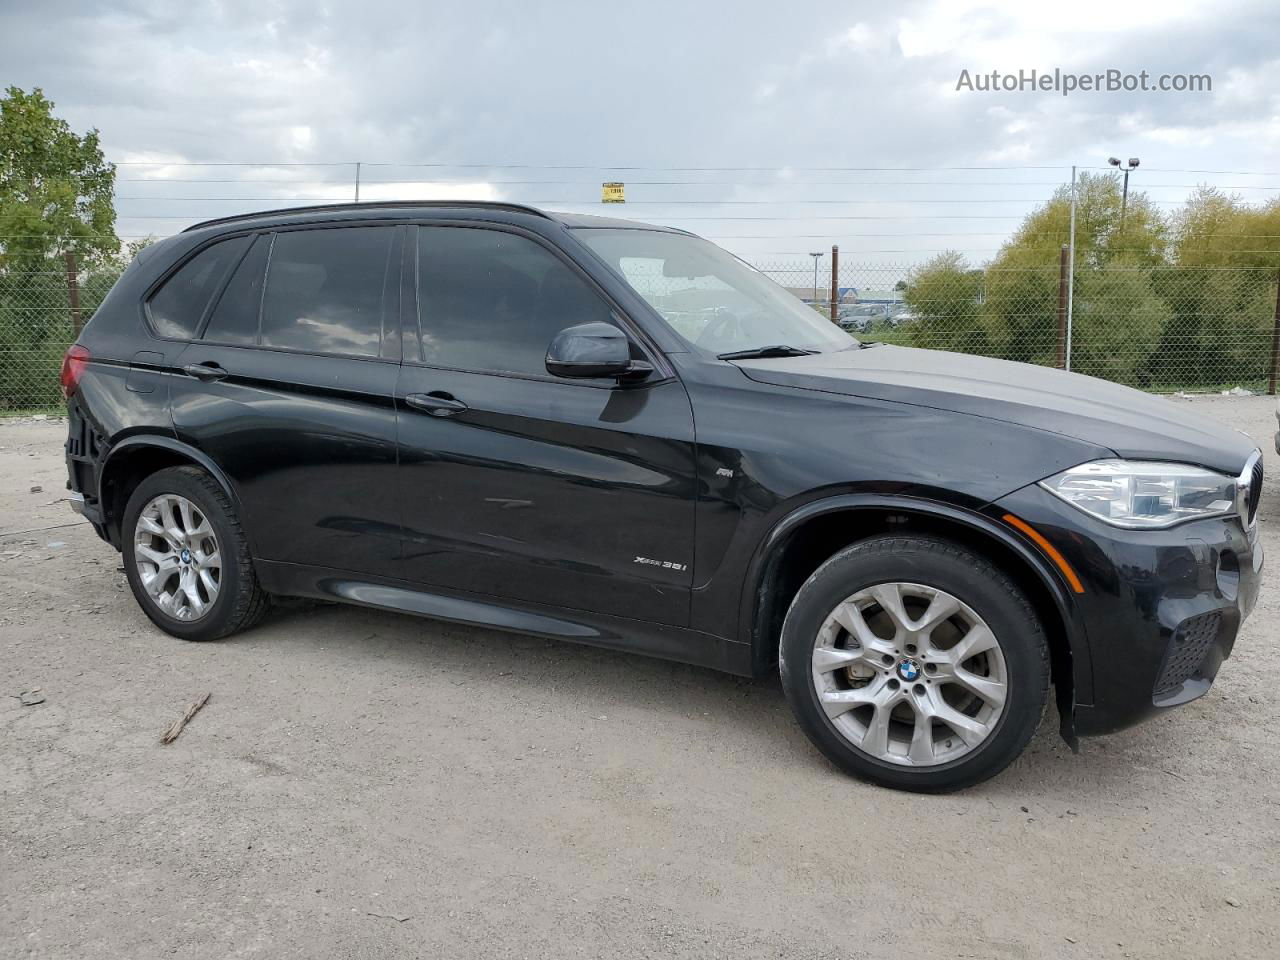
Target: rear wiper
(762, 353)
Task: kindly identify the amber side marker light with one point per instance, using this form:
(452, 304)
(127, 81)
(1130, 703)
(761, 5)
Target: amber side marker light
(1050, 550)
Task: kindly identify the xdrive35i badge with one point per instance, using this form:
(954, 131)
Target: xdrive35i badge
(665, 564)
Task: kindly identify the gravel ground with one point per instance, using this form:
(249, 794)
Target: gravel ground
(365, 784)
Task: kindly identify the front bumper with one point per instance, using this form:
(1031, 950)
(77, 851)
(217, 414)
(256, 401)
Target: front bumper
(1160, 609)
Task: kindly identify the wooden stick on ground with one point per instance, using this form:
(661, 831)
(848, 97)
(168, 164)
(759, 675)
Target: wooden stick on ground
(171, 734)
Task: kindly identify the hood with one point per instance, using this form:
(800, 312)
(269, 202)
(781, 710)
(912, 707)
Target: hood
(1136, 425)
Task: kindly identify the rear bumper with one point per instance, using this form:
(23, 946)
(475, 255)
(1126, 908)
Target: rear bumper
(1160, 610)
(83, 457)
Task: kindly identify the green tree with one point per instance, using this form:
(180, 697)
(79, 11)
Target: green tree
(55, 187)
(1022, 282)
(1221, 290)
(56, 219)
(943, 294)
(1118, 320)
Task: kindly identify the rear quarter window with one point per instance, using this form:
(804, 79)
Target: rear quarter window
(176, 308)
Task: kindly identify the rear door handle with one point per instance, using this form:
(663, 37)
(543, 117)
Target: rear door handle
(204, 372)
(438, 404)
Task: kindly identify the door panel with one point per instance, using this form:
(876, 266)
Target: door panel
(306, 431)
(310, 443)
(563, 493)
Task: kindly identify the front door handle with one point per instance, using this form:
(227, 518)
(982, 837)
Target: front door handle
(205, 372)
(438, 403)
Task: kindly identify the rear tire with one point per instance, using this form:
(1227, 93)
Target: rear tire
(914, 663)
(187, 558)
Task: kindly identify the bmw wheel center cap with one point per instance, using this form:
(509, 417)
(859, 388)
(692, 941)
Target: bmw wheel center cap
(908, 669)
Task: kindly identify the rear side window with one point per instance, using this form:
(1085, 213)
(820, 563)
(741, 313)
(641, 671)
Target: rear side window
(178, 306)
(327, 290)
(493, 301)
(235, 318)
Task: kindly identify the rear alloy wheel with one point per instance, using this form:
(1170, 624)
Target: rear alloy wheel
(914, 663)
(187, 558)
(176, 552)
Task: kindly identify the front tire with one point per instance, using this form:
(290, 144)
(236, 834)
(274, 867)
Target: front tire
(187, 558)
(914, 663)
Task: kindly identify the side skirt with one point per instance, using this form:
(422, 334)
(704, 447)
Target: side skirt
(578, 626)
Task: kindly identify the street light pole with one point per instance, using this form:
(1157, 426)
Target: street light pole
(815, 275)
(1124, 195)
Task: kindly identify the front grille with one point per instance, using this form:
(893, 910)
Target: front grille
(1190, 645)
(1255, 489)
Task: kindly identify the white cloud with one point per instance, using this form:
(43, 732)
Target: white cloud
(703, 85)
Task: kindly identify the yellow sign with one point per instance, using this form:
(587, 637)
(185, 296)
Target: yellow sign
(613, 193)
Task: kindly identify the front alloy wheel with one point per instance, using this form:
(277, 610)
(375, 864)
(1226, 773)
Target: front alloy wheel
(909, 674)
(915, 663)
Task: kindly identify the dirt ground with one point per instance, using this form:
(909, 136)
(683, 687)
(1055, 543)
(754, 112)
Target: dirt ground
(363, 784)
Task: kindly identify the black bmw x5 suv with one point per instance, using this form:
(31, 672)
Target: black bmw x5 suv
(619, 434)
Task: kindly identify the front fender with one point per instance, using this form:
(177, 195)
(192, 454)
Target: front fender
(756, 615)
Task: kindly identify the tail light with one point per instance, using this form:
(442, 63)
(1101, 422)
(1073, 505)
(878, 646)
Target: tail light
(74, 362)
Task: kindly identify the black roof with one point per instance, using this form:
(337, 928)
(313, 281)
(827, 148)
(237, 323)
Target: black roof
(415, 208)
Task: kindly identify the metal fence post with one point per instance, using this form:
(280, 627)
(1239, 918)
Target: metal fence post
(1275, 341)
(835, 283)
(1071, 269)
(1062, 307)
(73, 293)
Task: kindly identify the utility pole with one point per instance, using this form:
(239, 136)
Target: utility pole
(1275, 342)
(815, 276)
(1124, 195)
(1063, 257)
(1071, 270)
(357, 181)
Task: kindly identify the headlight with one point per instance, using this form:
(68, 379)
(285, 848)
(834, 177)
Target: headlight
(1140, 494)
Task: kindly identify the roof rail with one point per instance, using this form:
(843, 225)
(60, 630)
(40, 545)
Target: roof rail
(372, 205)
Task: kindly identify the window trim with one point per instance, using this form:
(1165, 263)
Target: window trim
(391, 319)
(414, 357)
(174, 268)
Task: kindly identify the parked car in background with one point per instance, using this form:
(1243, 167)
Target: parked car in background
(484, 413)
(859, 318)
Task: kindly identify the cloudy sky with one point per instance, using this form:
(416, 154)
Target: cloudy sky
(774, 128)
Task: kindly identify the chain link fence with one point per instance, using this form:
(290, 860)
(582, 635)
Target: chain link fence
(37, 324)
(1164, 328)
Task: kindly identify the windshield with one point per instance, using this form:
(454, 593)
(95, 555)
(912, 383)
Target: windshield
(710, 297)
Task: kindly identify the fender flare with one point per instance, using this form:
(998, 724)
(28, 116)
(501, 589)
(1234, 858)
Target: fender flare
(157, 441)
(760, 570)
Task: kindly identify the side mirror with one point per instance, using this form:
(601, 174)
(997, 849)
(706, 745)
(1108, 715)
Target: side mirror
(593, 350)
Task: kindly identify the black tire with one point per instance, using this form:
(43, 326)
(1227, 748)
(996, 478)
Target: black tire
(241, 602)
(973, 580)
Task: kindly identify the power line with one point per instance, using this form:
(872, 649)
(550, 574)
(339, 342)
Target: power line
(555, 166)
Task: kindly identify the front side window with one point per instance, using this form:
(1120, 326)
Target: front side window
(492, 301)
(710, 297)
(178, 306)
(327, 290)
